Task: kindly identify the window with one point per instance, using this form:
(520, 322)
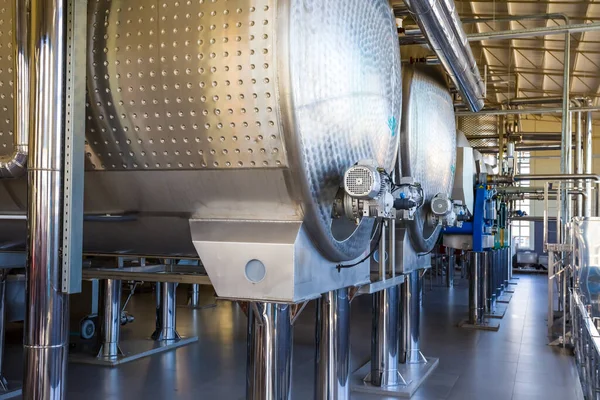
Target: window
(522, 230)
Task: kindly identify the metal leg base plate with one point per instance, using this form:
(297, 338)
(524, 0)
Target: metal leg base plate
(514, 281)
(509, 290)
(487, 325)
(133, 350)
(505, 298)
(14, 390)
(498, 312)
(415, 374)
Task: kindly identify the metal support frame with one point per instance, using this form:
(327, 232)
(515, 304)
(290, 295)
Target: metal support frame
(151, 273)
(478, 261)
(397, 367)
(269, 360)
(332, 381)
(114, 352)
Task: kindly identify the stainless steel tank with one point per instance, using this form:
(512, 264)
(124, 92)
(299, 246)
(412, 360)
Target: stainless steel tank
(225, 110)
(481, 130)
(428, 144)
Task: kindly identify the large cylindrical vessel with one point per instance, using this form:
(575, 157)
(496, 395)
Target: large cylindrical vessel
(427, 144)
(245, 110)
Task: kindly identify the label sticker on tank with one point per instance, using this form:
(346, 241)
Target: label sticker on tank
(392, 124)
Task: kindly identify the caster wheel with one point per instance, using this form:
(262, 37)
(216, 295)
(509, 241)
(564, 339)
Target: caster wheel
(87, 329)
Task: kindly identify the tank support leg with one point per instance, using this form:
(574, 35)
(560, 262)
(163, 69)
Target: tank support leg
(478, 289)
(194, 296)
(111, 319)
(385, 340)
(411, 319)
(451, 266)
(269, 359)
(333, 346)
(166, 318)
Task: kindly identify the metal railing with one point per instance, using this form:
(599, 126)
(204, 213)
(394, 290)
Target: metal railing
(586, 341)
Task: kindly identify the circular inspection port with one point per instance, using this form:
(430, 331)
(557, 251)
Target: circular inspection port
(255, 271)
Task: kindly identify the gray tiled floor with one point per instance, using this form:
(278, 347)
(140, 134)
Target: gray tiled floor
(513, 363)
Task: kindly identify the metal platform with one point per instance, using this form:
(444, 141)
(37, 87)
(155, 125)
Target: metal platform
(488, 325)
(132, 350)
(414, 375)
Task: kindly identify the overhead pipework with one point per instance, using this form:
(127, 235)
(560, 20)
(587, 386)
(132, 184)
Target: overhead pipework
(442, 27)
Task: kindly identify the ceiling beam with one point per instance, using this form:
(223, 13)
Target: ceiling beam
(535, 48)
(537, 2)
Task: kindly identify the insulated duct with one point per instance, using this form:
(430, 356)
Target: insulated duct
(439, 21)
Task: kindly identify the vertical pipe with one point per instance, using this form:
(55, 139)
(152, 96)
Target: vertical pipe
(486, 282)
(46, 336)
(385, 339)
(451, 265)
(411, 319)
(158, 318)
(506, 251)
(269, 359)
(195, 295)
(333, 346)
(477, 261)
(550, 316)
(579, 161)
(168, 315)
(588, 150)
(498, 273)
(111, 327)
(566, 139)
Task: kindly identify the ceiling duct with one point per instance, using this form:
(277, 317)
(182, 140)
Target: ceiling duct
(441, 25)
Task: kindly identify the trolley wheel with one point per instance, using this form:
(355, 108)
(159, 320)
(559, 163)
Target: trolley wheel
(87, 328)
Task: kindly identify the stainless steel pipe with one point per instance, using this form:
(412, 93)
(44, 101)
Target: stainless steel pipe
(111, 319)
(46, 336)
(385, 339)
(168, 328)
(411, 319)
(477, 263)
(588, 154)
(440, 23)
(556, 177)
(333, 346)
(194, 295)
(540, 110)
(579, 161)
(269, 359)
(488, 294)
